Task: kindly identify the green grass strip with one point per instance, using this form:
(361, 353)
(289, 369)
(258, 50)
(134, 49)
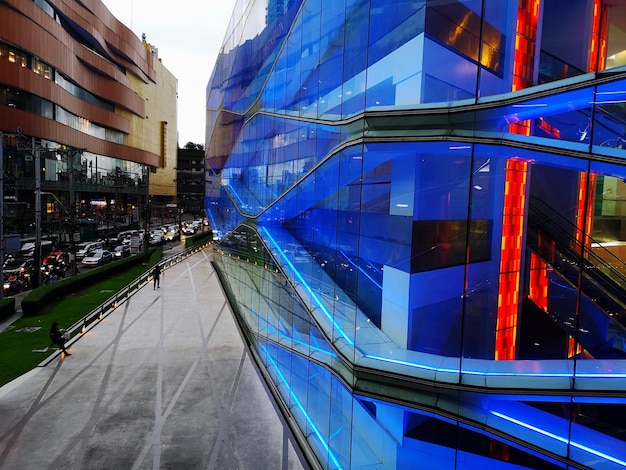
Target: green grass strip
(32, 333)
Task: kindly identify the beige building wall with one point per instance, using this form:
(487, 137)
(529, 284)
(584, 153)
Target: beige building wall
(157, 132)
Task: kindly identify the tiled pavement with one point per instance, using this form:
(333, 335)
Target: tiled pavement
(165, 381)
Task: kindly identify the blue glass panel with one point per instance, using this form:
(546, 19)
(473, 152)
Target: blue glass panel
(303, 94)
(392, 23)
(270, 156)
(284, 82)
(565, 58)
(396, 39)
(609, 123)
(351, 99)
(324, 219)
(252, 60)
(340, 436)
(482, 293)
(560, 116)
(319, 407)
(331, 59)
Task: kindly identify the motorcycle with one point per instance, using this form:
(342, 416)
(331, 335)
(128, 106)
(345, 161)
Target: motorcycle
(16, 283)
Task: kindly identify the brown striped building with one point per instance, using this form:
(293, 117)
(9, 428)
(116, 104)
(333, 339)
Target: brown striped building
(89, 104)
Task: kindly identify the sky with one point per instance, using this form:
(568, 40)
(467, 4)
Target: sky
(188, 35)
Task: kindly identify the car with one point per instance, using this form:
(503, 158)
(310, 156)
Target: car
(86, 247)
(56, 260)
(188, 230)
(97, 258)
(28, 249)
(124, 235)
(11, 264)
(171, 236)
(121, 251)
(156, 239)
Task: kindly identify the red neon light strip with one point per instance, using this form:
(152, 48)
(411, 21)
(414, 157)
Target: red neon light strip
(538, 288)
(597, 46)
(584, 211)
(549, 129)
(525, 40)
(510, 258)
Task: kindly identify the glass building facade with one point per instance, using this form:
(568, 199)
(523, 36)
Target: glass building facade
(420, 223)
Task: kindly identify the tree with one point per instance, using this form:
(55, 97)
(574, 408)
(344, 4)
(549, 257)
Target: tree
(192, 146)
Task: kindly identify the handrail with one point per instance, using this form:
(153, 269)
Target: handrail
(601, 276)
(91, 319)
(618, 275)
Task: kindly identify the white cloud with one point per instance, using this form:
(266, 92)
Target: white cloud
(188, 37)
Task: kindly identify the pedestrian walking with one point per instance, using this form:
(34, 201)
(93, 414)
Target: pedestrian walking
(58, 338)
(156, 275)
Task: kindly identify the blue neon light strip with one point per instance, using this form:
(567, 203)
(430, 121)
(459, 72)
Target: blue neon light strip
(317, 301)
(242, 205)
(448, 370)
(560, 438)
(213, 224)
(411, 364)
(293, 395)
(361, 269)
(601, 376)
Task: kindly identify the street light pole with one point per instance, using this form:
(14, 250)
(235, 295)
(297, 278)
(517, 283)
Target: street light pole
(72, 213)
(37, 267)
(70, 230)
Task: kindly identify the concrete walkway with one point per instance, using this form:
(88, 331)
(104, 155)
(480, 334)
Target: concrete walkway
(165, 381)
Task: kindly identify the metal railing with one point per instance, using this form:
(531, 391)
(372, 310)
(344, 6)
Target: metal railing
(91, 319)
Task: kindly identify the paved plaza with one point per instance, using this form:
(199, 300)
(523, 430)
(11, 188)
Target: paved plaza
(164, 381)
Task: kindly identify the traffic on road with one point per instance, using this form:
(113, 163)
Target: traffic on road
(56, 260)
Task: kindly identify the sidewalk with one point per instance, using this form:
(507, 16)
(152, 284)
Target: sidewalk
(165, 381)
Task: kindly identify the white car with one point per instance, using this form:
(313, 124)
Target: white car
(121, 251)
(97, 258)
(86, 247)
(156, 239)
(188, 230)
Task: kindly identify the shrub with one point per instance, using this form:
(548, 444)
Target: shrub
(198, 239)
(7, 308)
(39, 300)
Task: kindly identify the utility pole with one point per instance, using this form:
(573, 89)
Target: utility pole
(37, 264)
(72, 213)
(67, 154)
(147, 212)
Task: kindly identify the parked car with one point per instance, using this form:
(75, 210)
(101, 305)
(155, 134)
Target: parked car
(121, 251)
(97, 258)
